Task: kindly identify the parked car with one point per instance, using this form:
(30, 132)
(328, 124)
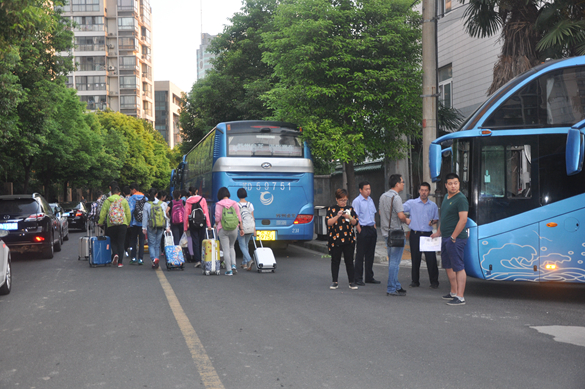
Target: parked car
(31, 224)
(64, 222)
(76, 215)
(5, 266)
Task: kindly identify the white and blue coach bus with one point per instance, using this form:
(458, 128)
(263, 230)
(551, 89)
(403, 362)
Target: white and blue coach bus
(266, 158)
(520, 162)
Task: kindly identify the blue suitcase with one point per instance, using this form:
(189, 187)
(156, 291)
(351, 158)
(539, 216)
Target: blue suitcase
(100, 251)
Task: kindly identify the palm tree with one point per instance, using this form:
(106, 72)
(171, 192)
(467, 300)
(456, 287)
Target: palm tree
(562, 24)
(516, 20)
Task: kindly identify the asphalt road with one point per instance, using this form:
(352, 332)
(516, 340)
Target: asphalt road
(66, 325)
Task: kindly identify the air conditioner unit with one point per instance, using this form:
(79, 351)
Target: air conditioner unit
(111, 68)
(111, 34)
(111, 45)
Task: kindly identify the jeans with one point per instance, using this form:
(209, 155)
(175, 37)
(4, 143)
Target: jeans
(154, 239)
(136, 235)
(394, 258)
(244, 241)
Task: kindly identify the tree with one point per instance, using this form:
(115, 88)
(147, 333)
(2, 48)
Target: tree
(348, 72)
(562, 25)
(232, 89)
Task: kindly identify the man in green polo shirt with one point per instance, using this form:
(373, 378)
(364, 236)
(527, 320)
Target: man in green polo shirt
(454, 211)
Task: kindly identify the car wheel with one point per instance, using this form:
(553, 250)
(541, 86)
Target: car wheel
(49, 251)
(5, 289)
(66, 237)
(59, 242)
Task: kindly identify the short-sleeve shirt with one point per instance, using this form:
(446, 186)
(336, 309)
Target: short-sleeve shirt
(386, 201)
(450, 214)
(342, 232)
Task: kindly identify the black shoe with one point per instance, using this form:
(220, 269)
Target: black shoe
(396, 294)
(372, 281)
(414, 284)
(360, 283)
(401, 290)
(434, 286)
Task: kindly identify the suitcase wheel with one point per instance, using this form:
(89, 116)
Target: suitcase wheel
(259, 271)
(273, 270)
(207, 273)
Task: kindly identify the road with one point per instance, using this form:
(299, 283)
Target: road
(66, 325)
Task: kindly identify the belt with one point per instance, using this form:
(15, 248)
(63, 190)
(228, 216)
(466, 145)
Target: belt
(421, 232)
(366, 226)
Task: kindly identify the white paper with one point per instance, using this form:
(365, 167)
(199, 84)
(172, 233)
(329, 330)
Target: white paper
(430, 244)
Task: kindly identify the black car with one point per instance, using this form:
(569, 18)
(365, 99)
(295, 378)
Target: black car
(76, 215)
(31, 224)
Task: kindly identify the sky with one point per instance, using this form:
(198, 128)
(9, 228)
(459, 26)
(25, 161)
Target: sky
(176, 31)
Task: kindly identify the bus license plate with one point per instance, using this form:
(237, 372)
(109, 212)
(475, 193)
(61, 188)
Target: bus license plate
(8, 226)
(266, 235)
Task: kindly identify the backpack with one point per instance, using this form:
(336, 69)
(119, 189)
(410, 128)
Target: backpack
(157, 215)
(197, 217)
(138, 208)
(178, 212)
(247, 219)
(229, 219)
(116, 213)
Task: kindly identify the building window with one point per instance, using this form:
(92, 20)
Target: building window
(128, 5)
(90, 82)
(95, 102)
(87, 64)
(127, 102)
(446, 86)
(128, 44)
(90, 43)
(69, 83)
(85, 5)
(128, 82)
(89, 23)
(126, 24)
(128, 63)
(444, 7)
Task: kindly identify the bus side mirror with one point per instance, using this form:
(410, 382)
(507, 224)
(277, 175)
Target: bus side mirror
(435, 161)
(574, 152)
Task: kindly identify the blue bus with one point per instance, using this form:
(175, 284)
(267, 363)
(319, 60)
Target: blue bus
(520, 162)
(270, 161)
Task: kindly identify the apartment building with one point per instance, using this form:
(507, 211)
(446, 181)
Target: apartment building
(113, 52)
(203, 57)
(167, 97)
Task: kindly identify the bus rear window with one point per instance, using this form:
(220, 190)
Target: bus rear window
(265, 145)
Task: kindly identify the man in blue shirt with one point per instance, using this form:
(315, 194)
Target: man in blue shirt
(366, 235)
(423, 214)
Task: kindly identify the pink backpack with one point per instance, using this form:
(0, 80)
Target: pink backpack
(178, 212)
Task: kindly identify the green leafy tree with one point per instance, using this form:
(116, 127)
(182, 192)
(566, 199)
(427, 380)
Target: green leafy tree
(348, 72)
(232, 89)
(562, 25)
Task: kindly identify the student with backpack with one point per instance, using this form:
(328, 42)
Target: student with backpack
(227, 220)
(177, 216)
(249, 227)
(196, 220)
(96, 207)
(154, 222)
(115, 213)
(136, 202)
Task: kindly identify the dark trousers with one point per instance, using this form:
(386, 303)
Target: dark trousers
(416, 255)
(197, 236)
(347, 251)
(136, 236)
(117, 236)
(177, 230)
(366, 248)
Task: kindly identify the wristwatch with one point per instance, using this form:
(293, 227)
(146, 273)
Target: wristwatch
(452, 239)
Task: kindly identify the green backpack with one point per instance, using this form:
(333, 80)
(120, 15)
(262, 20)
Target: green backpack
(157, 216)
(229, 219)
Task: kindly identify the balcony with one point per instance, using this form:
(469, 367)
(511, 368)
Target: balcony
(128, 90)
(90, 48)
(89, 27)
(91, 68)
(146, 57)
(147, 76)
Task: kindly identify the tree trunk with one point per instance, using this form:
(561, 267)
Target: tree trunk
(351, 184)
(27, 170)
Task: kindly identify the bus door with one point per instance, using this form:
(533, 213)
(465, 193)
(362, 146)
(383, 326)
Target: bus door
(507, 209)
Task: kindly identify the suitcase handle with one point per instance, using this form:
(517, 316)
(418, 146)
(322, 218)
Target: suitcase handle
(207, 233)
(259, 240)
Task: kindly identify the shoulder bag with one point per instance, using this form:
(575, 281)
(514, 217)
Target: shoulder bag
(395, 237)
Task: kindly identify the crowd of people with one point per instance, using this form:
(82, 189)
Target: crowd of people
(130, 217)
(352, 229)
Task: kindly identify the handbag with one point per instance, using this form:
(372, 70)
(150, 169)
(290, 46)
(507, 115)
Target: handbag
(395, 237)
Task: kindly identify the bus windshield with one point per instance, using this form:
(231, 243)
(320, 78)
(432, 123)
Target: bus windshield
(276, 144)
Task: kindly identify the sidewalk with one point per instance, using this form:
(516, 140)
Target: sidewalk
(380, 256)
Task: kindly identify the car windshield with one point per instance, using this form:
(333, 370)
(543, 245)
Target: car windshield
(74, 206)
(18, 207)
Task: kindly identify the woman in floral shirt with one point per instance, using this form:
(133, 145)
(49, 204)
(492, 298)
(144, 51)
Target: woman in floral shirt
(341, 220)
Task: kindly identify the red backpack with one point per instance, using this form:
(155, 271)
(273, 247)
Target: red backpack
(178, 212)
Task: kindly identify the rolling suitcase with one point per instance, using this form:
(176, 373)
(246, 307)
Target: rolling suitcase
(84, 246)
(264, 258)
(173, 254)
(100, 251)
(210, 255)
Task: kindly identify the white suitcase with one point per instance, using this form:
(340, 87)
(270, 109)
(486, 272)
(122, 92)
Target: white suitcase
(264, 258)
(84, 246)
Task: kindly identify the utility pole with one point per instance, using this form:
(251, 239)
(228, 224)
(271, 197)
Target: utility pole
(429, 52)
